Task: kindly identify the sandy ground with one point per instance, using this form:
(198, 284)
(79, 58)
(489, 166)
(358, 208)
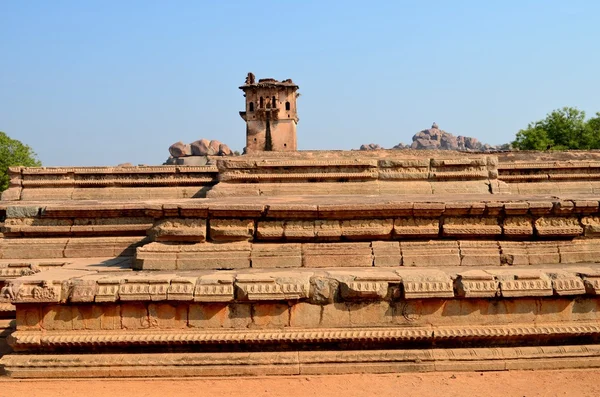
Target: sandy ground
(488, 384)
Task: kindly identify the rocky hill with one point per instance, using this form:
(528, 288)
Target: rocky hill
(436, 139)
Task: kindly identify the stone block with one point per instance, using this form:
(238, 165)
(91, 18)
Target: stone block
(416, 228)
(224, 230)
(276, 255)
(216, 287)
(138, 290)
(542, 252)
(110, 316)
(428, 210)
(83, 290)
(337, 255)
(220, 315)
(540, 208)
(323, 289)
(57, 317)
(299, 230)
(33, 248)
(577, 251)
(269, 230)
(476, 284)
(516, 208)
(90, 247)
(335, 315)
(558, 227)
(426, 284)
(586, 206)
(364, 289)
(454, 209)
(479, 253)
(234, 255)
(591, 226)
(179, 230)
(270, 315)
(181, 289)
(477, 227)
(367, 229)
(521, 283)
(493, 208)
(86, 317)
(517, 227)
(376, 313)
(513, 253)
(108, 289)
(33, 291)
(529, 252)
(156, 256)
(591, 281)
(563, 207)
(29, 317)
(305, 315)
(566, 283)
(167, 316)
(430, 253)
(134, 316)
(328, 230)
(273, 286)
(386, 253)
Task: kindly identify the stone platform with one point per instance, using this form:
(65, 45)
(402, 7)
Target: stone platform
(313, 263)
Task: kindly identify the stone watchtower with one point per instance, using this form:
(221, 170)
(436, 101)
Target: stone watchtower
(270, 114)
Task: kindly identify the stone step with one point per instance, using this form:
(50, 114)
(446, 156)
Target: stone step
(299, 362)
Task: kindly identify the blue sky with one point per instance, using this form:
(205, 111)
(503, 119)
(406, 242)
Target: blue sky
(106, 82)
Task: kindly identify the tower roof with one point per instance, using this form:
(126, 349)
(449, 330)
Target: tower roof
(267, 82)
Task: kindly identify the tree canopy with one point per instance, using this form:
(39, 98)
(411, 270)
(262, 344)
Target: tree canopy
(12, 153)
(562, 129)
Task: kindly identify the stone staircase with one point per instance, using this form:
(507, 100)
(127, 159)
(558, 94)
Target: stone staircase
(330, 262)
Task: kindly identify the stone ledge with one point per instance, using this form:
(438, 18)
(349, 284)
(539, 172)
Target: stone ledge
(86, 285)
(299, 362)
(427, 253)
(27, 340)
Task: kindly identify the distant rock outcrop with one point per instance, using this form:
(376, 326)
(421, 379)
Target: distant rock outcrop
(196, 153)
(436, 139)
(370, 146)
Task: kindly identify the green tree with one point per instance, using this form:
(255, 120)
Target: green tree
(594, 125)
(12, 153)
(562, 129)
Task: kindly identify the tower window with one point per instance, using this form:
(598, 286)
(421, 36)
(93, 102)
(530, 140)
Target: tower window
(251, 107)
(262, 104)
(273, 102)
(287, 106)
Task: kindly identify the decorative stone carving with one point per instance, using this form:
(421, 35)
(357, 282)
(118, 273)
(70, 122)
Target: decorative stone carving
(231, 230)
(268, 287)
(214, 288)
(416, 227)
(477, 284)
(44, 291)
(558, 226)
(517, 227)
(471, 227)
(426, 284)
(524, 283)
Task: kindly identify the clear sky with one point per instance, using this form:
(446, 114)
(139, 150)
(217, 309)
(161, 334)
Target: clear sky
(106, 82)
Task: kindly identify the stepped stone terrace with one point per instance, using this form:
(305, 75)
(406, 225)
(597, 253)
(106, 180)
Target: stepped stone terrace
(303, 263)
